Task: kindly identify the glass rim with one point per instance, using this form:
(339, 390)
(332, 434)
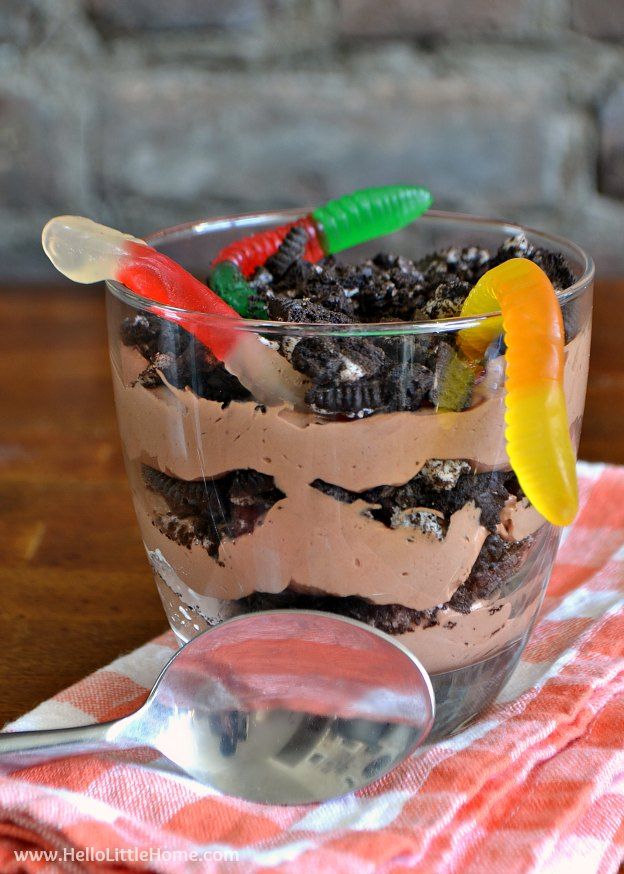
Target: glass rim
(266, 326)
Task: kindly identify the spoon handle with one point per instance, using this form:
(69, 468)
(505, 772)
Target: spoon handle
(38, 746)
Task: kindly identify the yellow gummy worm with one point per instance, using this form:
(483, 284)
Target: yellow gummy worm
(537, 433)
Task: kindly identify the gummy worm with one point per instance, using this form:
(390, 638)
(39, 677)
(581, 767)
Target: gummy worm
(251, 252)
(88, 252)
(537, 432)
(339, 224)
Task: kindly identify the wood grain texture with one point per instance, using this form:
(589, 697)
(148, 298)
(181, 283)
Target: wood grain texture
(76, 587)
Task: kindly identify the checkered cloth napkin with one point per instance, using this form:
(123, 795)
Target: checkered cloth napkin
(537, 784)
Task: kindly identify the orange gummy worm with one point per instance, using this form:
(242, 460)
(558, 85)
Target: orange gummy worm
(537, 432)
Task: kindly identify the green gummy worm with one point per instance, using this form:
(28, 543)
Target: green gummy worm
(369, 213)
(229, 283)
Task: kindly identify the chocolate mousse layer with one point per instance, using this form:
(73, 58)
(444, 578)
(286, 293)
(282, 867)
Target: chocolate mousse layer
(497, 561)
(388, 498)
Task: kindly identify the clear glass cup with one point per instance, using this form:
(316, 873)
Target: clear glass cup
(244, 506)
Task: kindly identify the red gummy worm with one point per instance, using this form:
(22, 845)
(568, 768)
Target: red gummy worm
(251, 252)
(155, 276)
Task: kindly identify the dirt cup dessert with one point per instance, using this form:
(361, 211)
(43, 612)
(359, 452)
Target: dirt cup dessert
(386, 434)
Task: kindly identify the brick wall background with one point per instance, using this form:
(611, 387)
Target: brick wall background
(142, 113)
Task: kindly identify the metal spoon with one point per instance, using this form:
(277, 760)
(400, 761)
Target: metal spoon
(283, 707)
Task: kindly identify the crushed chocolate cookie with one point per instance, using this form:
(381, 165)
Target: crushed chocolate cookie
(414, 517)
(364, 290)
(488, 491)
(153, 336)
(205, 512)
(517, 246)
(442, 474)
(285, 309)
(317, 283)
(553, 264)
(353, 399)
(335, 492)
(555, 267)
(391, 618)
(497, 561)
(185, 498)
(447, 299)
(407, 387)
(349, 376)
(445, 265)
(338, 301)
(181, 358)
(442, 308)
(207, 377)
(141, 332)
(287, 346)
(324, 359)
(406, 350)
(313, 356)
(249, 488)
(189, 531)
(150, 377)
(291, 250)
(262, 277)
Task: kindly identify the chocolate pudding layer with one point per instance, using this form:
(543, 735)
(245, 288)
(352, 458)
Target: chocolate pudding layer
(386, 496)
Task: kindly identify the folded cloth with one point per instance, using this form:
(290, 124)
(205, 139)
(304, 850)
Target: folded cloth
(536, 784)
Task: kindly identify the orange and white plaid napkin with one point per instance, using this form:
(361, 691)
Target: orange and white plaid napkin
(536, 784)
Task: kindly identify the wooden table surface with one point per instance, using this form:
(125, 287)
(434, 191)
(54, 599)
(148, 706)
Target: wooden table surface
(76, 587)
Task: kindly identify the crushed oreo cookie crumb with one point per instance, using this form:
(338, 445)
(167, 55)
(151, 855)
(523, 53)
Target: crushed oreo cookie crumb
(425, 520)
(153, 336)
(250, 488)
(497, 561)
(181, 358)
(352, 399)
(385, 288)
(189, 531)
(325, 359)
(488, 491)
(286, 309)
(407, 387)
(291, 250)
(442, 474)
(447, 299)
(205, 512)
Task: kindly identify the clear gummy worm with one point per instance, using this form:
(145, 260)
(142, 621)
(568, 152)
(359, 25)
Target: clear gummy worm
(86, 252)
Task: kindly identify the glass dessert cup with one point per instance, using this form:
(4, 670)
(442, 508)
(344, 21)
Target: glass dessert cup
(411, 521)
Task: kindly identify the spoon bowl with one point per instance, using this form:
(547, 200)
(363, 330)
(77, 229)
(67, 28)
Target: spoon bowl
(282, 707)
